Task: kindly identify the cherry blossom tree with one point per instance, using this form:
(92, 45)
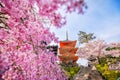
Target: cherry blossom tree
(113, 49)
(94, 48)
(99, 48)
(24, 37)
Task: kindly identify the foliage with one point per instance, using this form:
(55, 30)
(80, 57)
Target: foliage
(108, 58)
(102, 67)
(102, 60)
(24, 37)
(84, 37)
(71, 71)
(113, 48)
(108, 74)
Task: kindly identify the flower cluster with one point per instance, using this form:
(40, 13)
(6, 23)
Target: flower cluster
(98, 48)
(23, 40)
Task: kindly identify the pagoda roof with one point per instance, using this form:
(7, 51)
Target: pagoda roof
(68, 43)
(65, 50)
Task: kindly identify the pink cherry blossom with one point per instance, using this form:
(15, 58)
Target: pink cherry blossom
(23, 52)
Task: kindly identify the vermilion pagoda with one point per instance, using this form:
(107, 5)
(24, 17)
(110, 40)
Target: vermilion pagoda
(67, 51)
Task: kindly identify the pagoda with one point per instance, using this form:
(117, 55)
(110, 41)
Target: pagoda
(67, 51)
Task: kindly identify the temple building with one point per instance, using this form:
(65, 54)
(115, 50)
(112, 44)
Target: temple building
(67, 51)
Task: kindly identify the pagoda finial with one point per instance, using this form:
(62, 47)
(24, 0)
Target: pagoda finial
(66, 35)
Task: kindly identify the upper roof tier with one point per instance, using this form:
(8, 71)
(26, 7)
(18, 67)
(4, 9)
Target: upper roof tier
(68, 43)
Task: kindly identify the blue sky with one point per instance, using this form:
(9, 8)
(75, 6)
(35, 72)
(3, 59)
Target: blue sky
(101, 18)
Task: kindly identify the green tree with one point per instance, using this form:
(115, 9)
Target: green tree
(83, 37)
